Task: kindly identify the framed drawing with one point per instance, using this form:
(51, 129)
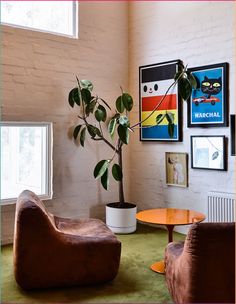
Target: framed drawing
(208, 103)
(208, 152)
(176, 169)
(232, 134)
(154, 80)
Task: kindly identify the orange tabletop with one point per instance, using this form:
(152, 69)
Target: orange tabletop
(169, 217)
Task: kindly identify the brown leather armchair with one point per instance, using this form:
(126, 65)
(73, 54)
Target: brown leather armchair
(50, 251)
(202, 269)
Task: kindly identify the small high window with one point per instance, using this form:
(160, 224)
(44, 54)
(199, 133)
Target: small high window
(58, 17)
(26, 159)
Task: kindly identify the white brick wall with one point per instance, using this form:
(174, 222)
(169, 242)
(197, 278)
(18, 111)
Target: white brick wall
(199, 33)
(38, 72)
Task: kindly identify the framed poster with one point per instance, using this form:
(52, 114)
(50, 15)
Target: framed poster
(176, 169)
(208, 152)
(208, 103)
(154, 81)
(232, 134)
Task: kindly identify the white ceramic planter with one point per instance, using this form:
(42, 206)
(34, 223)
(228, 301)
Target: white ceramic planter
(121, 220)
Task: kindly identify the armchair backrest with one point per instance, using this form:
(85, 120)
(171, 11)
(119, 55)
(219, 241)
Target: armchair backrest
(32, 221)
(209, 250)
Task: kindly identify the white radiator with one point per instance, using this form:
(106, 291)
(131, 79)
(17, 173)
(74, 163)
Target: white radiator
(221, 207)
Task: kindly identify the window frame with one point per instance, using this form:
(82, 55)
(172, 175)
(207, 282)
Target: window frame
(75, 16)
(49, 161)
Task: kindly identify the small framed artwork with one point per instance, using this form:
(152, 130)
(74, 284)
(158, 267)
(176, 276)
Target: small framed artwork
(176, 169)
(232, 134)
(208, 103)
(208, 152)
(154, 82)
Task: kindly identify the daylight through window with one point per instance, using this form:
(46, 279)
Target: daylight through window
(58, 17)
(25, 159)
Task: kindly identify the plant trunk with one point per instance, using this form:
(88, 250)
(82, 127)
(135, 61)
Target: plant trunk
(121, 188)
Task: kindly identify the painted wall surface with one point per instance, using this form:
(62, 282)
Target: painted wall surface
(198, 33)
(38, 71)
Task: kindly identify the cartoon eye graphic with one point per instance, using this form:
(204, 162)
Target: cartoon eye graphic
(156, 87)
(206, 84)
(145, 88)
(216, 85)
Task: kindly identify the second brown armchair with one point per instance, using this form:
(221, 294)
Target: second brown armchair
(202, 269)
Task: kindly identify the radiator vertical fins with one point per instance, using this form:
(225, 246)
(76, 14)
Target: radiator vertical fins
(221, 207)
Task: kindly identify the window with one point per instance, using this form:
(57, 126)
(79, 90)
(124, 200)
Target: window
(26, 159)
(58, 17)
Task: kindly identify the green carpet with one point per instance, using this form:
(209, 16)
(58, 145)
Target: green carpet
(135, 282)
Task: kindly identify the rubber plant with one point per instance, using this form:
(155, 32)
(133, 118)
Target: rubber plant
(93, 118)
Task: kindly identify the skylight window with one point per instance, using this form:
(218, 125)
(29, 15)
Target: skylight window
(58, 17)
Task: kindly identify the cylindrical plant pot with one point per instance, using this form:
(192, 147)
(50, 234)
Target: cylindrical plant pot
(121, 219)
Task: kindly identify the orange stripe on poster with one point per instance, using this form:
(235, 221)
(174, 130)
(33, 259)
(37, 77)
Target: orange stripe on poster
(169, 103)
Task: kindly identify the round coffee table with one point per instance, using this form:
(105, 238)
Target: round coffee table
(169, 217)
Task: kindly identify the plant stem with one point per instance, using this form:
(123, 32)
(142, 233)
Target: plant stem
(121, 188)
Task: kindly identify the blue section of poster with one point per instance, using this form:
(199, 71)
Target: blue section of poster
(207, 105)
(159, 131)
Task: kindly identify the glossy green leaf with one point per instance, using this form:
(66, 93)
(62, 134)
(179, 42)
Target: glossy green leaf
(112, 126)
(185, 88)
(100, 168)
(93, 131)
(117, 172)
(119, 105)
(86, 96)
(82, 136)
(76, 131)
(192, 80)
(74, 97)
(123, 133)
(86, 84)
(124, 121)
(100, 113)
(104, 112)
(127, 101)
(171, 129)
(177, 75)
(105, 180)
(90, 107)
(159, 118)
(170, 117)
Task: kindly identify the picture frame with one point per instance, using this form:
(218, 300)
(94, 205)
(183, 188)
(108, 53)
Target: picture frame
(232, 134)
(208, 152)
(154, 80)
(208, 103)
(176, 169)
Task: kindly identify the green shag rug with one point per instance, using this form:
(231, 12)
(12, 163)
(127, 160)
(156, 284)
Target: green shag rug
(135, 282)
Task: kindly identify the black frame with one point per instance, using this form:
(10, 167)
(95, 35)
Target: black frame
(179, 66)
(225, 95)
(224, 152)
(232, 134)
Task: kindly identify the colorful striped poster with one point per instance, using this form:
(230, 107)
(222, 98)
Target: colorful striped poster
(156, 97)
